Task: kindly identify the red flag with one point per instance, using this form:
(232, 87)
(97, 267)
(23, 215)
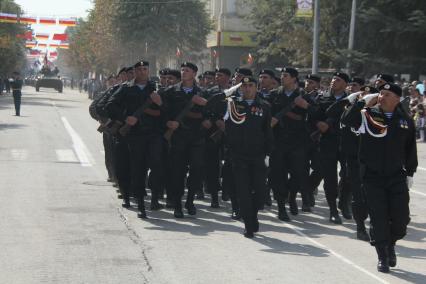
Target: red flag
(178, 52)
(250, 58)
(47, 21)
(61, 37)
(68, 22)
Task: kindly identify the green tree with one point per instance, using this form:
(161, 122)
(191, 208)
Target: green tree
(12, 49)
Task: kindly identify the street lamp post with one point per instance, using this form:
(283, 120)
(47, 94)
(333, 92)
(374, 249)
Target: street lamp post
(351, 36)
(316, 37)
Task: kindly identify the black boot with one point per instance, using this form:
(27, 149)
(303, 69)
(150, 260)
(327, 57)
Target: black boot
(215, 201)
(141, 208)
(282, 212)
(361, 232)
(392, 255)
(346, 208)
(294, 210)
(268, 199)
(155, 205)
(126, 203)
(178, 210)
(335, 218)
(383, 256)
(235, 214)
(191, 208)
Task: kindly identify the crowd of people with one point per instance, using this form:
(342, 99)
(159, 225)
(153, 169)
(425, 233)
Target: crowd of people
(260, 138)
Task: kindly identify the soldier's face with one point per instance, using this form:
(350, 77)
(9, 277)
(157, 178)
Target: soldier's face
(388, 100)
(379, 83)
(265, 81)
(171, 80)
(221, 79)
(208, 80)
(249, 90)
(354, 87)
(142, 72)
(311, 85)
(163, 80)
(187, 74)
(338, 84)
(287, 80)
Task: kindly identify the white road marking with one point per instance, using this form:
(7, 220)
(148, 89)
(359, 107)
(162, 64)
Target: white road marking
(339, 256)
(19, 154)
(420, 168)
(66, 155)
(83, 154)
(418, 192)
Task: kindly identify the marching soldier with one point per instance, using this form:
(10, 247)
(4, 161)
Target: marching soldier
(249, 138)
(355, 85)
(289, 155)
(328, 123)
(185, 133)
(388, 156)
(140, 105)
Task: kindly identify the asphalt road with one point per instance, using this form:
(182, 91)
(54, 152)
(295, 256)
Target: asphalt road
(62, 223)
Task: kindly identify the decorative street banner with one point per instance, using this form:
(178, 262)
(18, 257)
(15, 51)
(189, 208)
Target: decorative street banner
(30, 44)
(304, 9)
(42, 36)
(61, 37)
(27, 20)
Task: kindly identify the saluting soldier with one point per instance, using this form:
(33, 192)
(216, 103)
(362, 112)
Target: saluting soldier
(388, 155)
(249, 138)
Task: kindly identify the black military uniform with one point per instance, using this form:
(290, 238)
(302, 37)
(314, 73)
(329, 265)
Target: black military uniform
(16, 85)
(289, 155)
(143, 140)
(388, 155)
(249, 139)
(329, 145)
(186, 144)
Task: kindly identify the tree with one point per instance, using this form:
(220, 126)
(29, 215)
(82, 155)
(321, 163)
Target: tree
(12, 49)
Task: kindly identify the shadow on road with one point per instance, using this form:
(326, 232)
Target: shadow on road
(4, 126)
(408, 276)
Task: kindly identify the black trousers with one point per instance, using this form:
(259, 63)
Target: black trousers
(388, 206)
(250, 181)
(187, 150)
(315, 177)
(212, 164)
(17, 101)
(228, 181)
(352, 188)
(122, 166)
(285, 162)
(108, 142)
(328, 161)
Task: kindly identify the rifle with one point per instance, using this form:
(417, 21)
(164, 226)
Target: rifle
(125, 129)
(110, 127)
(179, 118)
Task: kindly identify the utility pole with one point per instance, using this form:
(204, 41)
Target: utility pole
(351, 36)
(316, 37)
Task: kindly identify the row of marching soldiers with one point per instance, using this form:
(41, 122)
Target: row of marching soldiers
(250, 136)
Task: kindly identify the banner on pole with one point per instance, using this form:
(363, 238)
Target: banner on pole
(304, 9)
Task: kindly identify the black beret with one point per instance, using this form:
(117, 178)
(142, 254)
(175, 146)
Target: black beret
(244, 71)
(209, 73)
(386, 77)
(313, 77)
(342, 76)
(190, 65)
(124, 69)
(394, 88)
(200, 77)
(293, 72)
(369, 89)
(174, 72)
(267, 72)
(225, 71)
(164, 71)
(248, 79)
(358, 80)
(141, 63)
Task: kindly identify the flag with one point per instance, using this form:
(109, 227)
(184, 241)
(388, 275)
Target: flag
(27, 35)
(250, 59)
(178, 52)
(8, 18)
(61, 37)
(30, 44)
(70, 22)
(28, 20)
(47, 21)
(42, 36)
(35, 52)
(64, 45)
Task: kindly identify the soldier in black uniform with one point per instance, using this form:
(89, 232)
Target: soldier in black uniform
(173, 77)
(291, 142)
(214, 137)
(16, 85)
(138, 105)
(355, 85)
(163, 77)
(249, 138)
(328, 123)
(388, 156)
(184, 103)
